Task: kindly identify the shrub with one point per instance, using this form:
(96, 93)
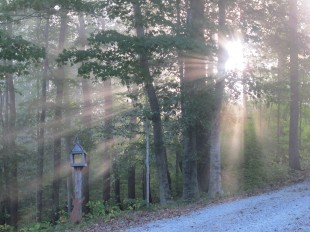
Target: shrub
(6, 228)
(97, 209)
(133, 204)
(38, 227)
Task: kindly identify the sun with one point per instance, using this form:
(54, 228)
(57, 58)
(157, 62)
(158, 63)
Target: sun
(236, 61)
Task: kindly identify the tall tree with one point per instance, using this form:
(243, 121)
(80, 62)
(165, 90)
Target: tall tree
(131, 172)
(294, 162)
(87, 113)
(193, 86)
(68, 138)
(5, 201)
(215, 185)
(58, 127)
(107, 162)
(12, 150)
(160, 149)
(41, 128)
(10, 112)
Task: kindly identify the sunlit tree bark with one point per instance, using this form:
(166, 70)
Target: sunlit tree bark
(215, 185)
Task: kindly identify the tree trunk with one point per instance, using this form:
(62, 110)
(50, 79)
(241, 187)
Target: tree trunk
(106, 194)
(6, 157)
(215, 185)
(12, 152)
(203, 152)
(147, 163)
(108, 101)
(87, 123)
(278, 108)
(86, 118)
(3, 195)
(278, 154)
(131, 173)
(160, 149)
(117, 184)
(193, 85)
(2, 177)
(69, 180)
(178, 169)
(294, 162)
(41, 130)
(57, 151)
(190, 180)
(58, 126)
(178, 161)
(68, 138)
(131, 183)
(144, 188)
(5, 200)
(300, 123)
(11, 145)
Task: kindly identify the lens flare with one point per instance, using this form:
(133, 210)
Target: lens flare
(236, 61)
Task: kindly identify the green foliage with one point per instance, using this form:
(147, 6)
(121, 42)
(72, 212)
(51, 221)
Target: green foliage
(276, 173)
(112, 54)
(18, 50)
(97, 209)
(156, 13)
(113, 211)
(200, 104)
(100, 209)
(6, 228)
(133, 204)
(63, 217)
(38, 227)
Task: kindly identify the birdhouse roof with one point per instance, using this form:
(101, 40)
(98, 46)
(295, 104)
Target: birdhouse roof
(77, 148)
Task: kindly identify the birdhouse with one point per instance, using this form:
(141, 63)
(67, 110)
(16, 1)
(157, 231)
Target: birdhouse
(78, 156)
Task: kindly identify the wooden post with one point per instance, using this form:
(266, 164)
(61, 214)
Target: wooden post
(76, 214)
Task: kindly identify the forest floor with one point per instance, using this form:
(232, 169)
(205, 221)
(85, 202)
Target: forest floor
(284, 207)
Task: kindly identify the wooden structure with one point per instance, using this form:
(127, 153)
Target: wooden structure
(78, 162)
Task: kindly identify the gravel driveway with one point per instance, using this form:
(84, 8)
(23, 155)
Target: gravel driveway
(287, 209)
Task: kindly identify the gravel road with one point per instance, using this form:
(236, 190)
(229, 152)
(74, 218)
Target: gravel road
(287, 209)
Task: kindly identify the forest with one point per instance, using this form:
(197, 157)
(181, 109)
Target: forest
(172, 100)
